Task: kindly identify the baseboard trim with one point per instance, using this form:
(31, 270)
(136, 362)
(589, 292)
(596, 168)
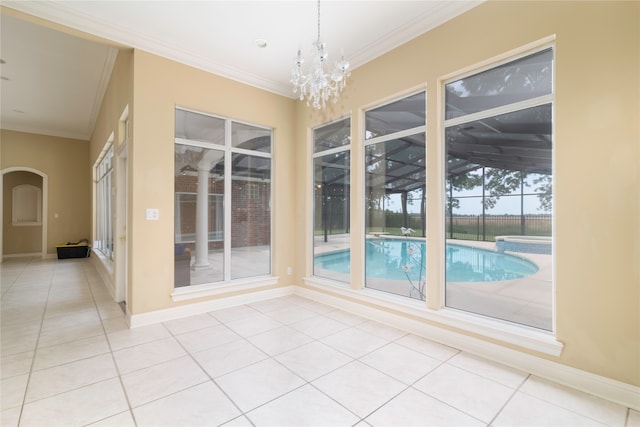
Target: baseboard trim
(606, 388)
(27, 255)
(143, 319)
(201, 291)
(494, 329)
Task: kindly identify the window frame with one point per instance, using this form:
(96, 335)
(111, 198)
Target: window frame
(479, 323)
(318, 154)
(422, 129)
(228, 150)
(105, 202)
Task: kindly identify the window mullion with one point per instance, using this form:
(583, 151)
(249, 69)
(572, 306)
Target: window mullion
(252, 153)
(503, 109)
(228, 195)
(332, 151)
(396, 135)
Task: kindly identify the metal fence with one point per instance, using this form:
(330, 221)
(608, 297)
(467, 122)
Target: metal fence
(463, 227)
(486, 228)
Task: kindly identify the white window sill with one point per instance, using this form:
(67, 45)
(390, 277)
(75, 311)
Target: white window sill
(185, 293)
(507, 332)
(106, 262)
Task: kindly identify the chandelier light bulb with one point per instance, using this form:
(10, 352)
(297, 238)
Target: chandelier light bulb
(318, 83)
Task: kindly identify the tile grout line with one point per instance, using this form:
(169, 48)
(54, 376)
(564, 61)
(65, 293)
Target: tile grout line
(31, 370)
(242, 413)
(352, 359)
(626, 418)
(411, 386)
(515, 391)
(273, 358)
(113, 359)
(35, 349)
(306, 382)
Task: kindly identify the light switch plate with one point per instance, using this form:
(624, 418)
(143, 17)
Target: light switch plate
(153, 214)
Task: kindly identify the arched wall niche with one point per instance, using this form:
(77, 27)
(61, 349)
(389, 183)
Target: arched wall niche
(6, 217)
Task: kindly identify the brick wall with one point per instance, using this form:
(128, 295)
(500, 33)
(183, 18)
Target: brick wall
(250, 211)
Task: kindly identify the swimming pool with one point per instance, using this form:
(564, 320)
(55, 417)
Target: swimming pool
(395, 259)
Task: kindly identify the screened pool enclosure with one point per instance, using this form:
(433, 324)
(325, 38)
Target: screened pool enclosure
(498, 185)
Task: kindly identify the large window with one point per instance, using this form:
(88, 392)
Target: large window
(498, 142)
(331, 186)
(395, 192)
(104, 205)
(222, 199)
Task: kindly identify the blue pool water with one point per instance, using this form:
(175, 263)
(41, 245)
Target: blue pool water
(396, 259)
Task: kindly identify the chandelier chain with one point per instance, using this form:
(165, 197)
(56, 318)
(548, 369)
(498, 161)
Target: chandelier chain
(318, 21)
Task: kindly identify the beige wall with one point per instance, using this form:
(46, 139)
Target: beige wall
(19, 239)
(109, 130)
(64, 162)
(118, 96)
(159, 86)
(596, 157)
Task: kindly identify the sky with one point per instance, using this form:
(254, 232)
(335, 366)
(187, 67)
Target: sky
(506, 205)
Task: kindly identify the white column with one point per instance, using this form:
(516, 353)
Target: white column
(202, 218)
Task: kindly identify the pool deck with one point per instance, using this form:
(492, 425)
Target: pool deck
(526, 301)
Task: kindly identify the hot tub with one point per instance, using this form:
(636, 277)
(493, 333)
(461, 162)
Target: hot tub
(524, 244)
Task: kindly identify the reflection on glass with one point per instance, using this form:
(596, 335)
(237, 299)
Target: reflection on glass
(334, 135)
(199, 215)
(250, 216)
(395, 189)
(331, 212)
(407, 113)
(397, 266)
(519, 80)
(331, 198)
(250, 137)
(199, 127)
(467, 264)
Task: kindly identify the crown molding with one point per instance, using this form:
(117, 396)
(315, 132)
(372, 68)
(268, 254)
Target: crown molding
(65, 15)
(81, 136)
(105, 77)
(69, 17)
(421, 24)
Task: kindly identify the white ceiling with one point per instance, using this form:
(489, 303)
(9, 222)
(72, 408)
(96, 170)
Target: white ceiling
(53, 83)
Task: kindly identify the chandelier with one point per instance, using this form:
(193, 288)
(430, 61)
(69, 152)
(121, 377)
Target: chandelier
(317, 83)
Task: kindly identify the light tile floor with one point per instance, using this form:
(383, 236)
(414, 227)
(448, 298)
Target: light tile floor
(68, 359)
